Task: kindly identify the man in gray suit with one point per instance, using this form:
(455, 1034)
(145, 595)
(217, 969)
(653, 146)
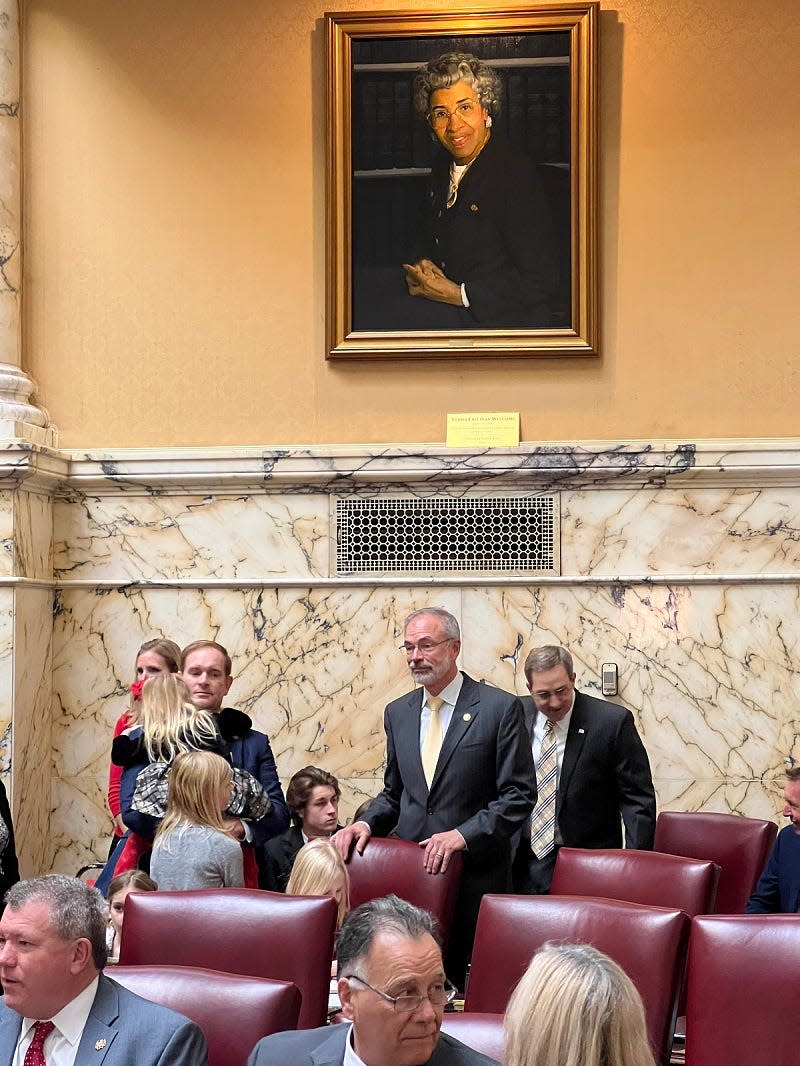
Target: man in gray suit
(469, 790)
(393, 990)
(58, 1006)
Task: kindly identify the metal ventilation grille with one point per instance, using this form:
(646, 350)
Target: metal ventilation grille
(478, 533)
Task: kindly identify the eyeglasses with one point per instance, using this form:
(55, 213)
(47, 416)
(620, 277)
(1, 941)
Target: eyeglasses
(559, 693)
(440, 116)
(423, 645)
(439, 995)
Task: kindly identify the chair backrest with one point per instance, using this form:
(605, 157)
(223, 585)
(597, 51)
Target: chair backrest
(390, 865)
(234, 1012)
(481, 1032)
(744, 972)
(238, 930)
(646, 877)
(739, 846)
(649, 943)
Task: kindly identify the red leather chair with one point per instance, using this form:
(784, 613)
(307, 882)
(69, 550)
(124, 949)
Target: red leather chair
(481, 1032)
(390, 865)
(234, 1012)
(739, 846)
(649, 943)
(744, 975)
(646, 877)
(238, 930)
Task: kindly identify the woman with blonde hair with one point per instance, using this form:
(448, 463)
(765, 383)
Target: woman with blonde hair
(319, 870)
(156, 656)
(192, 848)
(575, 1007)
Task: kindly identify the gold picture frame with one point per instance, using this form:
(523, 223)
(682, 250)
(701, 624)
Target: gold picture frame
(549, 52)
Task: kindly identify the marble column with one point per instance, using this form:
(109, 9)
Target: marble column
(20, 418)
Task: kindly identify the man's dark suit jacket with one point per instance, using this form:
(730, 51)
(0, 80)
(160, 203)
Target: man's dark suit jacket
(484, 786)
(122, 1030)
(325, 1047)
(778, 888)
(278, 859)
(605, 775)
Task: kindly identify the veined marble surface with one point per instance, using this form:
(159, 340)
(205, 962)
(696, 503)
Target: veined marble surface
(710, 673)
(678, 562)
(625, 533)
(34, 773)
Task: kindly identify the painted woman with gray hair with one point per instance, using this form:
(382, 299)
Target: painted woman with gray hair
(491, 254)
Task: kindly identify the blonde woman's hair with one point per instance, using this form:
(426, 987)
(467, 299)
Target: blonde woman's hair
(575, 1007)
(317, 864)
(171, 723)
(195, 782)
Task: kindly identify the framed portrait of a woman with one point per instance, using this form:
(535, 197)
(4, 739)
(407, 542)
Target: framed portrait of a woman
(462, 182)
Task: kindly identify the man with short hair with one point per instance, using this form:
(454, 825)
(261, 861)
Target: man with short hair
(591, 767)
(58, 1006)
(393, 991)
(459, 774)
(313, 799)
(206, 671)
(778, 888)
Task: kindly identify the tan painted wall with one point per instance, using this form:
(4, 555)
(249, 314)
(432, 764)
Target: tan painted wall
(174, 257)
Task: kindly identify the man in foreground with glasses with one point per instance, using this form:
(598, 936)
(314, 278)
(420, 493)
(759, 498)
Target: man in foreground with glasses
(393, 991)
(459, 774)
(591, 768)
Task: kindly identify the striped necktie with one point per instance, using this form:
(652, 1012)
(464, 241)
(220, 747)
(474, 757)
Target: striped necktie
(543, 819)
(432, 744)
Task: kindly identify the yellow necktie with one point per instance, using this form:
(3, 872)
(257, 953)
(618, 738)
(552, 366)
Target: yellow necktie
(432, 744)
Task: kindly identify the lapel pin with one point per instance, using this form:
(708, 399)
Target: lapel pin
(99, 1045)
(467, 717)
(581, 730)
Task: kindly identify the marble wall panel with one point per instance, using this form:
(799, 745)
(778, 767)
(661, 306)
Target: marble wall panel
(313, 668)
(141, 538)
(33, 787)
(6, 683)
(7, 560)
(33, 535)
(710, 673)
(680, 531)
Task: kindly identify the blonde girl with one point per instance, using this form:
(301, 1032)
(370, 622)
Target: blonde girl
(191, 847)
(320, 871)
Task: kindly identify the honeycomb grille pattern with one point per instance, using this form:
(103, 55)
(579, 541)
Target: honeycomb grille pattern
(480, 533)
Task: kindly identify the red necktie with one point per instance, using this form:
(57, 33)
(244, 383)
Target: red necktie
(34, 1056)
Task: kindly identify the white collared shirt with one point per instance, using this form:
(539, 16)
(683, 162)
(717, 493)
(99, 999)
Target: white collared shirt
(61, 1046)
(449, 694)
(350, 1057)
(559, 728)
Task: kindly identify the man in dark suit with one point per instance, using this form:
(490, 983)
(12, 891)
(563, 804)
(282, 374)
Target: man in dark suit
(600, 773)
(778, 888)
(459, 774)
(393, 989)
(206, 670)
(52, 952)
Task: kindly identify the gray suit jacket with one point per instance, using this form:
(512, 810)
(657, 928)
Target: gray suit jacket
(122, 1030)
(605, 778)
(325, 1047)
